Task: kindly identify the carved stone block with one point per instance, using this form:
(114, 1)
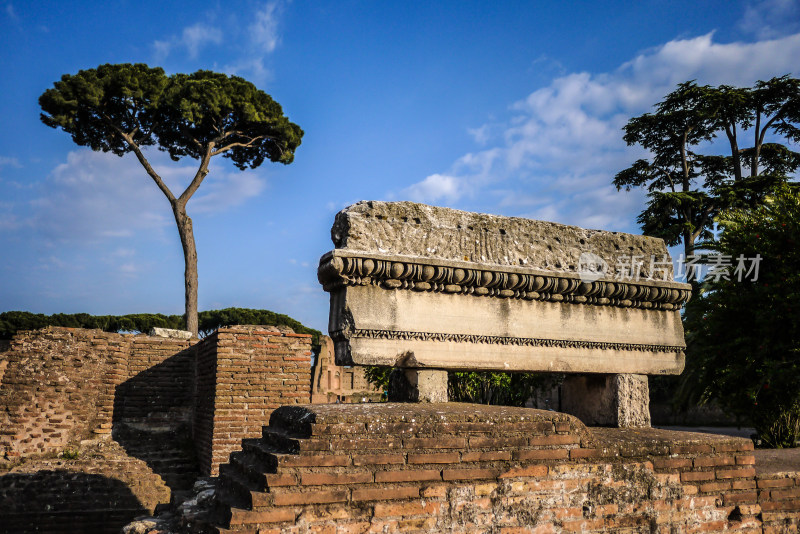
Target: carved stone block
(417, 286)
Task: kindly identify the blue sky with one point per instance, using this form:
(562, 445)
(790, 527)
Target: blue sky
(512, 108)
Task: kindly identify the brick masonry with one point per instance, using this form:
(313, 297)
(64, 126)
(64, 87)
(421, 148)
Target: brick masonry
(468, 468)
(155, 406)
(243, 374)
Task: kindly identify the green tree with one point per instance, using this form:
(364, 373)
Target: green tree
(126, 108)
(13, 321)
(496, 388)
(743, 336)
(687, 188)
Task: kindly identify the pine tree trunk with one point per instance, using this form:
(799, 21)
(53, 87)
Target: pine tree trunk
(190, 261)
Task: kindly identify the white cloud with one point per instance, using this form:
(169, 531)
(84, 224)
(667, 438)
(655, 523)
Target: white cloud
(192, 39)
(562, 144)
(6, 161)
(435, 188)
(252, 41)
(11, 12)
(264, 30)
(98, 196)
(768, 19)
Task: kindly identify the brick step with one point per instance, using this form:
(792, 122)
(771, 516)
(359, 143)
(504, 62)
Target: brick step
(248, 466)
(266, 455)
(282, 440)
(238, 486)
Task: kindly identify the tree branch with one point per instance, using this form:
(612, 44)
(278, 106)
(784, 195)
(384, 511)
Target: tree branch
(702, 223)
(143, 160)
(201, 173)
(233, 145)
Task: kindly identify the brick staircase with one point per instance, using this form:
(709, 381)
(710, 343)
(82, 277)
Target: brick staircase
(467, 468)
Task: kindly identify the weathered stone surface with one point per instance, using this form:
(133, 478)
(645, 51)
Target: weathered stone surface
(170, 333)
(410, 229)
(421, 287)
(416, 385)
(620, 400)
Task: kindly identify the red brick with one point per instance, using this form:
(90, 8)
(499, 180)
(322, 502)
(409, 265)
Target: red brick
(378, 459)
(778, 495)
(695, 476)
(469, 474)
(248, 517)
(529, 471)
(712, 461)
(562, 426)
(410, 475)
(735, 498)
(435, 443)
(671, 463)
(434, 458)
(743, 484)
(312, 497)
(385, 494)
(554, 439)
(481, 442)
(586, 453)
(781, 505)
(485, 456)
(774, 482)
(542, 454)
(690, 449)
(321, 479)
(314, 461)
(742, 472)
(709, 487)
(406, 509)
(274, 480)
(746, 460)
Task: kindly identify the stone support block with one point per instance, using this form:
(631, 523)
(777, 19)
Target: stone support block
(418, 385)
(621, 400)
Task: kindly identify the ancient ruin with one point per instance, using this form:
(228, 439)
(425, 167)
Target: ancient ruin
(426, 290)
(420, 287)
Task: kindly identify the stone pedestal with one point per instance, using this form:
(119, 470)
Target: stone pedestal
(418, 385)
(621, 400)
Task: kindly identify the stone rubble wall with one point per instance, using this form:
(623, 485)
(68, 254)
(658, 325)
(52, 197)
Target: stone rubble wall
(468, 468)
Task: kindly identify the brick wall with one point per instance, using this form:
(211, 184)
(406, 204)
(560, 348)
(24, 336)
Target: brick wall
(58, 387)
(136, 398)
(248, 371)
(779, 500)
(469, 468)
(98, 492)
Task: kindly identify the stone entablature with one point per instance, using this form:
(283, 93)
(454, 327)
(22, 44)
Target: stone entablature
(417, 286)
(340, 268)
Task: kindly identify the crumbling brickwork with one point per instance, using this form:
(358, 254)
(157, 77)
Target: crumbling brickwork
(468, 468)
(248, 371)
(135, 397)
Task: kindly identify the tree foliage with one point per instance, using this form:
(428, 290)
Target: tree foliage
(502, 389)
(126, 108)
(13, 321)
(688, 188)
(743, 337)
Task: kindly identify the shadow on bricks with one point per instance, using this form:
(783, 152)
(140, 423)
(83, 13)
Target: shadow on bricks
(152, 419)
(61, 501)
